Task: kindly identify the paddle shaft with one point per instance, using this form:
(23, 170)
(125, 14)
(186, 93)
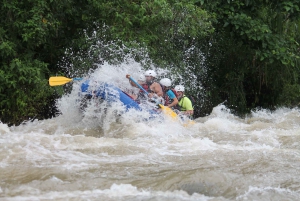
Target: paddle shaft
(135, 82)
(77, 78)
(146, 92)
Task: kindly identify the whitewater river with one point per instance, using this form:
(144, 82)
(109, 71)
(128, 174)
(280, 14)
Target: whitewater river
(93, 156)
(221, 157)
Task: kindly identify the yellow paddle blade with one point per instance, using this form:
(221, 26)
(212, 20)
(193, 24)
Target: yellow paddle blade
(60, 80)
(189, 123)
(168, 111)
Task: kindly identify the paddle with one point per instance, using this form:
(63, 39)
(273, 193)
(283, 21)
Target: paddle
(60, 80)
(167, 110)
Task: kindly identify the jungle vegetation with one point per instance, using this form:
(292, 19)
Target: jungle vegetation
(244, 54)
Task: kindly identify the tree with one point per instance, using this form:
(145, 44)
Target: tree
(257, 43)
(34, 35)
(169, 32)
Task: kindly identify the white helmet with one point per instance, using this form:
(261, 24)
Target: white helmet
(179, 88)
(165, 82)
(142, 78)
(150, 73)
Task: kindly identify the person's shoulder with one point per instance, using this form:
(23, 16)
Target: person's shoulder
(155, 84)
(187, 99)
(171, 94)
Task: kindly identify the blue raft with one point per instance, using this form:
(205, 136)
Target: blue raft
(111, 93)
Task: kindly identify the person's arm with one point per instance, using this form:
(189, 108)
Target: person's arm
(131, 83)
(189, 112)
(187, 104)
(172, 97)
(134, 85)
(156, 88)
(175, 102)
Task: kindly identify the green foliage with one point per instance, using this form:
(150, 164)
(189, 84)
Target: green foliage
(167, 29)
(155, 24)
(168, 32)
(245, 52)
(33, 35)
(36, 34)
(258, 48)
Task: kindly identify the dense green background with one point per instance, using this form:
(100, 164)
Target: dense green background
(243, 53)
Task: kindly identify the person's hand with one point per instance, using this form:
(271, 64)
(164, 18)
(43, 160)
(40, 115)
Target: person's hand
(188, 113)
(154, 95)
(128, 76)
(150, 95)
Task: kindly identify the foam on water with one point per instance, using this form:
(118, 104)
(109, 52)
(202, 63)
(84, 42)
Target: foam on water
(115, 192)
(269, 193)
(118, 156)
(4, 128)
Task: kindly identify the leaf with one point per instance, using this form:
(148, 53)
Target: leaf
(287, 8)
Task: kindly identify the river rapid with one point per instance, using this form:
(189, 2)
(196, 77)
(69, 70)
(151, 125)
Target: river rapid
(96, 156)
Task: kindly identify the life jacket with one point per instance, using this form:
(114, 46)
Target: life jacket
(141, 94)
(179, 107)
(167, 99)
(146, 86)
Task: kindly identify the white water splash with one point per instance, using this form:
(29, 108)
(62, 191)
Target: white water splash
(269, 193)
(93, 155)
(115, 192)
(4, 128)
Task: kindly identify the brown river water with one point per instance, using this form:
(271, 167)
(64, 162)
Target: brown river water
(220, 157)
(97, 156)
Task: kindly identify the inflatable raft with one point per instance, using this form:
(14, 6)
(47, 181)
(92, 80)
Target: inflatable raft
(111, 93)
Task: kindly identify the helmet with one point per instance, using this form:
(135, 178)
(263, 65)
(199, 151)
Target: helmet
(150, 73)
(165, 82)
(179, 88)
(142, 78)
